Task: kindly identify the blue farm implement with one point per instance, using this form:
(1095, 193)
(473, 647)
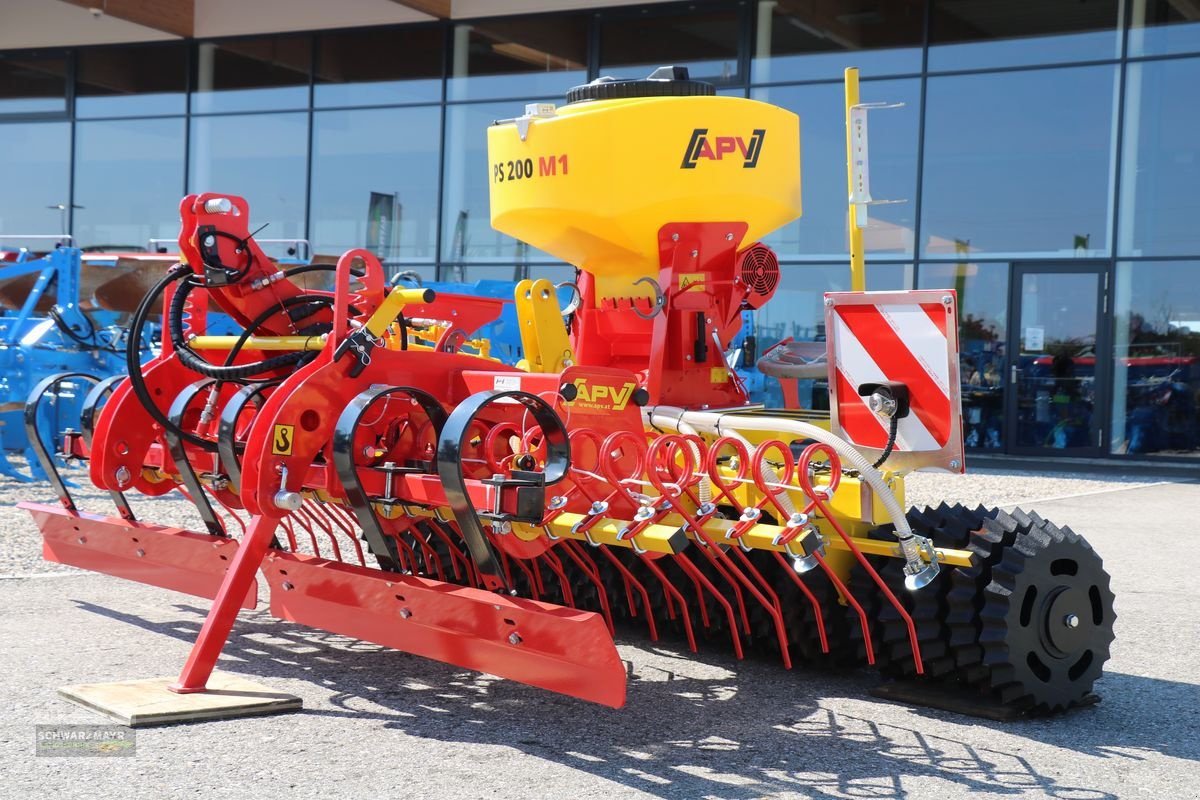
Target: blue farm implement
(52, 322)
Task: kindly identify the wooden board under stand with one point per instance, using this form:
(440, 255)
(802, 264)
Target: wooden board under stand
(148, 702)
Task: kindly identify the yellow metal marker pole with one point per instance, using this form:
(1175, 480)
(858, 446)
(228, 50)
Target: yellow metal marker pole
(858, 269)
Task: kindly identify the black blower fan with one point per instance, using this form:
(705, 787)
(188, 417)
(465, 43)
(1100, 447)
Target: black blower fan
(760, 274)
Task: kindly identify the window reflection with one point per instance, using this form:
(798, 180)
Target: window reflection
(379, 67)
(1161, 167)
(1156, 364)
(815, 41)
(467, 232)
(970, 34)
(128, 180)
(820, 234)
(526, 56)
(374, 182)
(705, 42)
(1158, 27)
(131, 80)
(36, 158)
(982, 334)
(32, 83)
(270, 72)
(1019, 162)
(261, 157)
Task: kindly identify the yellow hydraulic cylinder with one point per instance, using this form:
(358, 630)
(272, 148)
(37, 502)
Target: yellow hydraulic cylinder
(258, 342)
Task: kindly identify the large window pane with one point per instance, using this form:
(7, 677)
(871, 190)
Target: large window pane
(261, 157)
(35, 162)
(969, 34)
(982, 335)
(259, 74)
(467, 233)
(815, 41)
(1019, 162)
(1156, 365)
(131, 80)
(521, 57)
(704, 42)
(379, 67)
(820, 234)
(128, 180)
(32, 83)
(382, 160)
(1164, 26)
(1161, 163)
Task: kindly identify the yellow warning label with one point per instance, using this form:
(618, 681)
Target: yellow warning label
(718, 375)
(281, 440)
(687, 279)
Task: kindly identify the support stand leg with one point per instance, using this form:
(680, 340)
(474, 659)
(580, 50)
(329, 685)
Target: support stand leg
(219, 622)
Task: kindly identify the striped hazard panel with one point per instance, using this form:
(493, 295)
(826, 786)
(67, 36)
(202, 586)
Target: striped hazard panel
(905, 337)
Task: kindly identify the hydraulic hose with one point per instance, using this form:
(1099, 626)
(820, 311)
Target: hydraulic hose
(133, 361)
(197, 364)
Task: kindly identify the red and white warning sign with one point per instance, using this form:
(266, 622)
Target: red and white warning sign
(901, 337)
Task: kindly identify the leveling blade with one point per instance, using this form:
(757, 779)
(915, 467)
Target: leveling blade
(565, 650)
(170, 558)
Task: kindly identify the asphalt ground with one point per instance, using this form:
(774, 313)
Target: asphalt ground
(378, 723)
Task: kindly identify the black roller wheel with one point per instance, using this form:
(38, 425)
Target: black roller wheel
(1047, 620)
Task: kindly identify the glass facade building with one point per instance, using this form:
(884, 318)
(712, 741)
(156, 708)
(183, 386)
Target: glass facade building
(1046, 153)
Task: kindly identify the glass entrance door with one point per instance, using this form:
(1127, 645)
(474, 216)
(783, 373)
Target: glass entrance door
(1058, 372)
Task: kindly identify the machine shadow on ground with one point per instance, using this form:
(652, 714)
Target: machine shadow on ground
(755, 730)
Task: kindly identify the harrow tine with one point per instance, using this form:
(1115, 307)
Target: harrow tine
(406, 556)
(844, 591)
(521, 565)
(505, 567)
(632, 583)
(433, 564)
(670, 590)
(291, 536)
(462, 573)
(557, 568)
(702, 580)
(346, 528)
(806, 484)
(769, 601)
(812, 599)
(324, 528)
(585, 563)
(228, 510)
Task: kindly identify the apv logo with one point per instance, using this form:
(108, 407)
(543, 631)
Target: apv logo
(602, 396)
(715, 148)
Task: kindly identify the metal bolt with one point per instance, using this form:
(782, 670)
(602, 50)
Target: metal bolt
(210, 240)
(83, 540)
(954, 464)
(123, 475)
(514, 638)
(1071, 621)
(674, 237)
(729, 237)
(947, 299)
(695, 253)
(405, 613)
(287, 586)
(140, 553)
(828, 301)
(557, 502)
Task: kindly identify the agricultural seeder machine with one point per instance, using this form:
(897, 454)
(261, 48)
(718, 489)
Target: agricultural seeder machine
(393, 482)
